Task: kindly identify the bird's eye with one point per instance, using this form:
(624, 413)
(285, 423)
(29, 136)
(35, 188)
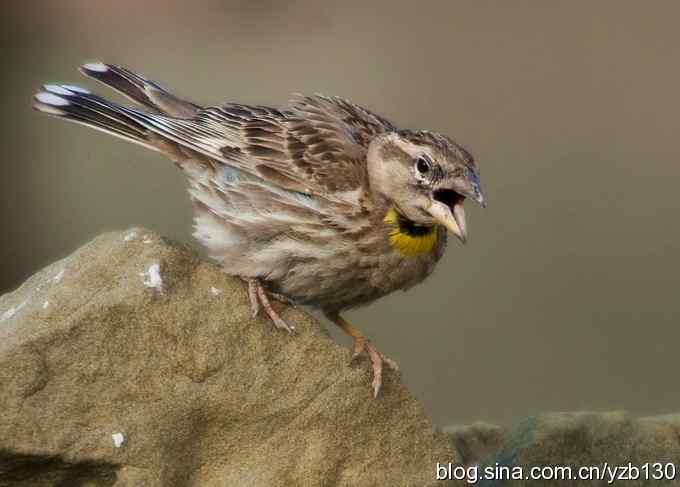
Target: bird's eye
(423, 165)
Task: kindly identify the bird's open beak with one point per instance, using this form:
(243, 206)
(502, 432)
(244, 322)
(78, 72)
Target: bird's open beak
(446, 208)
(451, 216)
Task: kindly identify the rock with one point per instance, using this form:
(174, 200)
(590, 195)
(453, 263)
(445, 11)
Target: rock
(133, 362)
(577, 440)
(475, 442)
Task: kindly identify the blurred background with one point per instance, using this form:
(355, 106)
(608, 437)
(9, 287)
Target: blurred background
(566, 296)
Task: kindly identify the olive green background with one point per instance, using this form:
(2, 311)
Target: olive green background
(566, 296)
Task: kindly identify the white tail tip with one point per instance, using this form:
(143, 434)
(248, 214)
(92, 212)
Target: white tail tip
(51, 99)
(66, 90)
(98, 67)
(57, 90)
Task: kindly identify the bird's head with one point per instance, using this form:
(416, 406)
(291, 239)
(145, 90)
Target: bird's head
(426, 176)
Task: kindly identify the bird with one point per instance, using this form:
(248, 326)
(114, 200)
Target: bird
(321, 203)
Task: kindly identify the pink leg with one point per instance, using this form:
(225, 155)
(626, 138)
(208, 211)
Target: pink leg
(252, 294)
(361, 346)
(273, 315)
(258, 297)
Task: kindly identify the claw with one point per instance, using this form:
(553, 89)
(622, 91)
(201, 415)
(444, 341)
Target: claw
(282, 298)
(377, 361)
(391, 364)
(273, 315)
(258, 299)
(363, 346)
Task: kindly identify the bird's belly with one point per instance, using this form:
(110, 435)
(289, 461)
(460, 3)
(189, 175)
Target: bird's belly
(333, 274)
(342, 282)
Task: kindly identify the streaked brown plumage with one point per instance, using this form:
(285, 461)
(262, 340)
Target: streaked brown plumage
(320, 203)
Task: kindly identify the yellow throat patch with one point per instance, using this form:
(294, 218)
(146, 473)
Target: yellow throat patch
(408, 239)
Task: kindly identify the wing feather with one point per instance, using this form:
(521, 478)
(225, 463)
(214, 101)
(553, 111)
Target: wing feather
(317, 146)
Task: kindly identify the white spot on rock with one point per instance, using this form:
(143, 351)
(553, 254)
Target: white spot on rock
(130, 236)
(59, 276)
(46, 304)
(215, 291)
(152, 277)
(147, 239)
(12, 311)
(118, 439)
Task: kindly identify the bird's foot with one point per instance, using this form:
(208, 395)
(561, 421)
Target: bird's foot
(361, 346)
(282, 298)
(259, 300)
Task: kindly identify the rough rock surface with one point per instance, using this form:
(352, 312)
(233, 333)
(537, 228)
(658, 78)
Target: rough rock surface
(576, 440)
(134, 363)
(476, 442)
(115, 371)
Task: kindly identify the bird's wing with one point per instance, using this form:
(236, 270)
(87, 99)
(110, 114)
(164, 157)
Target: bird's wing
(333, 136)
(238, 214)
(317, 146)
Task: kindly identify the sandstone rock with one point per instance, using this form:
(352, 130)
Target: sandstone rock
(475, 442)
(577, 440)
(133, 362)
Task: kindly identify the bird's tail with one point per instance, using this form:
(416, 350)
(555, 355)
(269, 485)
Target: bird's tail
(139, 89)
(78, 105)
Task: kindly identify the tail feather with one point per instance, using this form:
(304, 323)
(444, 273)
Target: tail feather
(78, 105)
(152, 130)
(139, 89)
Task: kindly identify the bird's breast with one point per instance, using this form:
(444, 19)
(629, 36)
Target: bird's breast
(364, 271)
